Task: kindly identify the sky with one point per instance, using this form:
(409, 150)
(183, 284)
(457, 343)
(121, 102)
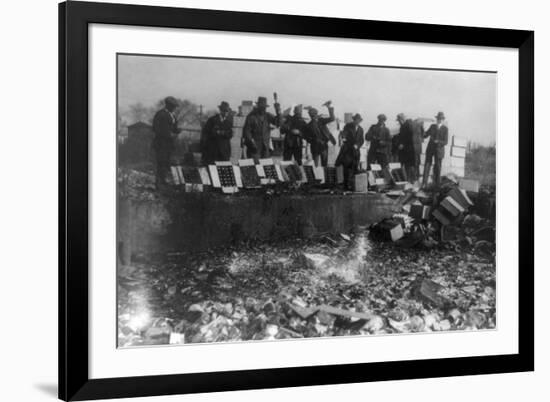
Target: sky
(468, 99)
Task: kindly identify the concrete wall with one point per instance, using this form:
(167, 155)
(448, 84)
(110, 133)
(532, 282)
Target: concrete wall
(200, 221)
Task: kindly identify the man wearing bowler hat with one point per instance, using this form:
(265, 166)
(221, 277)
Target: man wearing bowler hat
(435, 152)
(216, 136)
(257, 129)
(380, 141)
(349, 155)
(166, 129)
(318, 134)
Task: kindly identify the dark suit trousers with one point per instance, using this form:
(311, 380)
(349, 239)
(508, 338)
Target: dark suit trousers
(320, 157)
(432, 157)
(162, 156)
(295, 152)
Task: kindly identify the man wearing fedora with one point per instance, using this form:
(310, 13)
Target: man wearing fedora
(435, 152)
(318, 134)
(349, 155)
(166, 129)
(294, 129)
(257, 129)
(380, 142)
(216, 136)
(406, 146)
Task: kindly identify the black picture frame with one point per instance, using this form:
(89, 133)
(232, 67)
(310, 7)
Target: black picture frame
(74, 18)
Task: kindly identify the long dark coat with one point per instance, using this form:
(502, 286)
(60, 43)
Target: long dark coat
(349, 155)
(380, 139)
(164, 127)
(216, 139)
(291, 140)
(408, 155)
(257, 130)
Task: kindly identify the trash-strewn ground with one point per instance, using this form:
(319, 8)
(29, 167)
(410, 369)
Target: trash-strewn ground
(333, 285)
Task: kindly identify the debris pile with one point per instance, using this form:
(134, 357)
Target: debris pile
(332, 285)
(443, 218)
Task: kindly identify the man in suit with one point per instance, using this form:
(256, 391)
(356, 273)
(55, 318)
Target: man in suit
(166, 129)
(380, 142)
(294, 130)
(319, 135)
(406, 146)
(216, 136)
(435, 152)
(349, 155)
(257, 129)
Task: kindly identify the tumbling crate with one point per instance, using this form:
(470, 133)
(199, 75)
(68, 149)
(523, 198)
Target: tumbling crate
(453, 207)
(390, 230)
(249, 173)
(397, 173)
(460, 196)
(419, 211)
(269, 172)
(361, 183)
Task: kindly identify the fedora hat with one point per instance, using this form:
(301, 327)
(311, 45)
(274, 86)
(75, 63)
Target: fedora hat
(224, 106)
(170, 100)
(440, 115)
(356, 117)
(262, 101)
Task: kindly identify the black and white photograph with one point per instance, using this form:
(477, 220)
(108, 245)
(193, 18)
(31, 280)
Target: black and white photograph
(276, 201)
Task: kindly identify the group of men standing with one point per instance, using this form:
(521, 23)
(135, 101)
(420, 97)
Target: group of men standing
(405, 147)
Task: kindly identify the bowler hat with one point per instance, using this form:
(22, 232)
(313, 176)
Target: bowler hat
(262, 101)
(224, 106)
(170, 100)
(440, 115)
(382, 117)
(357, 116)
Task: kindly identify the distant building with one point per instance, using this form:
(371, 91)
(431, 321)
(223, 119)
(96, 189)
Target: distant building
(140, 131)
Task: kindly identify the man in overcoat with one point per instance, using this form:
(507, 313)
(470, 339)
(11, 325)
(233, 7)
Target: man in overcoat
(406, 146)
(216, 136)
(166, 129)
(318, 135)
(380, 143)
(349, 155)
(257, 129)
(435, 152)
(294, 129)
